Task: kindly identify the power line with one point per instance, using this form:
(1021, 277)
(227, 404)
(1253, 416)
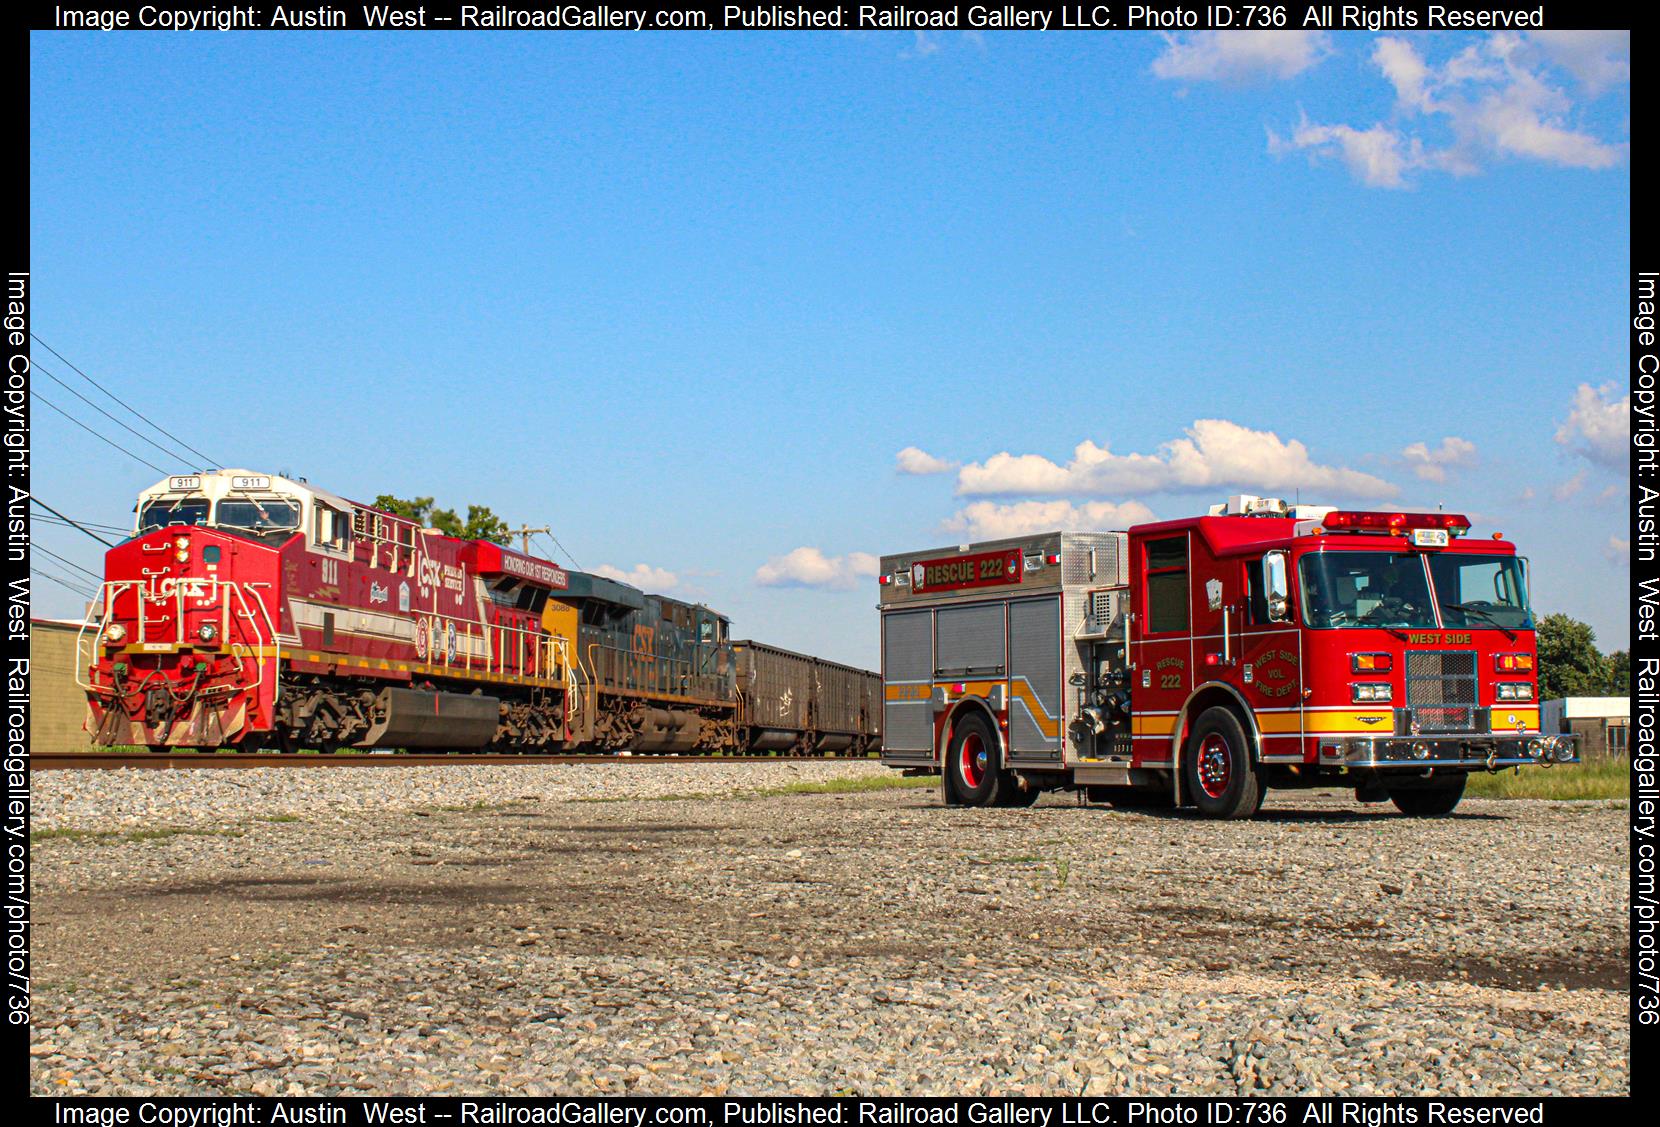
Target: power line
(118, 399)
(118, 530)
(71, 523)
(93, 575)
(60, 581)
(561, 547)
(110, 417)
(95, 434)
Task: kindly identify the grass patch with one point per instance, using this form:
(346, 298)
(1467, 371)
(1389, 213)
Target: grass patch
(1596, 778)
(829, 786)
(280, 818)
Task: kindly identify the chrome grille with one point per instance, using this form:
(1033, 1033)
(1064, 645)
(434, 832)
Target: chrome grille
(1441, 689)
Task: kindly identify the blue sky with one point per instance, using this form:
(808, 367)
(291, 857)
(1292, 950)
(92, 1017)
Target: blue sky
(687, 299)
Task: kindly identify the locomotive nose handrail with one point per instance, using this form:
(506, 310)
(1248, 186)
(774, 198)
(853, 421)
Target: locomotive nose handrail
(235, 602)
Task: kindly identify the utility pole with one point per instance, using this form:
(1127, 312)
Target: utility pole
(524, 534)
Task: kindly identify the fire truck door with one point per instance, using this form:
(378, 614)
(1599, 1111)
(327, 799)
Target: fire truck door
(1162, 645)
(1271, 669)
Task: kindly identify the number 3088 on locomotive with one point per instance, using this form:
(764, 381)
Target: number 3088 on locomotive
(255, 611)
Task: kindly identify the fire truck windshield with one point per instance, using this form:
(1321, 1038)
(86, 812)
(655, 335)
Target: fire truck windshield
(167, 513)
(267, 514)
(1481, 591)
(1365, 589)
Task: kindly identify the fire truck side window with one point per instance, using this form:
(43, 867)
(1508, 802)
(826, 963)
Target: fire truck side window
(1167, 585)
(1256, 594)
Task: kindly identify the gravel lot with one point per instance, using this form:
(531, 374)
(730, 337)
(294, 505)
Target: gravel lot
(484, 930)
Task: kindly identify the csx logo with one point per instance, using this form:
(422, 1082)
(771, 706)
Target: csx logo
(645, 640)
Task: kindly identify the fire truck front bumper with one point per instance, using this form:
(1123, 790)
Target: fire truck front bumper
(1471, 752)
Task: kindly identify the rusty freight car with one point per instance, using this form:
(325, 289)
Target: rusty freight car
(790, 702)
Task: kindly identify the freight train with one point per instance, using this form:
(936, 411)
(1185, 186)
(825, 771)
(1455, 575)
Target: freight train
(254, 611)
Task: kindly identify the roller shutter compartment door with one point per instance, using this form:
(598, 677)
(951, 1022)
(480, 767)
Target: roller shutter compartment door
(907, 665)
(1035, 679)
(970, 641)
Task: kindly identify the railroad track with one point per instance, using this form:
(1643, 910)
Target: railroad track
(111, 761)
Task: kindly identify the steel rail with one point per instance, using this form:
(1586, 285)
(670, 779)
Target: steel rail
(112, 761)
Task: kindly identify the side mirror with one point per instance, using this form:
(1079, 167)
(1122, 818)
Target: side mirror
(1276, 586)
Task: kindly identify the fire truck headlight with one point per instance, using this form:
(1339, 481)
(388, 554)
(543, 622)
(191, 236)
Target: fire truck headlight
(208, 632)
(1368, 692)
(1514, 690)
(1536, 749)
(116, 633)
(1563, 748)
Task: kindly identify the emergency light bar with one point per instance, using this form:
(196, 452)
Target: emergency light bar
(1395, 524)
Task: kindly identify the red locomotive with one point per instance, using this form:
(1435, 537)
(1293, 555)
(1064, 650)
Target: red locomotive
(255, 611)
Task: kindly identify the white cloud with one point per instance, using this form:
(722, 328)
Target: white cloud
(1432, 465)
(1378, 157)
(987, 520)
(1599, 426)
(913, 460)
(1239, 56)
(810, 567)
(1494, 98)
(1598, 59)
(1216, 454)
(1570, 488)
(1618, 551)
(643, 576)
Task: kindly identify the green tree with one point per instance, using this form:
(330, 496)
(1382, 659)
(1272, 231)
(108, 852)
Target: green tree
(481, 523)
(1569, 663)
(1619, 673)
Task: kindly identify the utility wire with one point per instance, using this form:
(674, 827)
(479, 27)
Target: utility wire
(561, 548)
(60, 581)
(95, 434)
(93, 575)
(118, 399)
(71, 523)
(114, 528)
(170, 453)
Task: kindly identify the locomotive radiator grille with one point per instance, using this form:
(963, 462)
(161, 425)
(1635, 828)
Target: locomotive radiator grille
(1441, 689)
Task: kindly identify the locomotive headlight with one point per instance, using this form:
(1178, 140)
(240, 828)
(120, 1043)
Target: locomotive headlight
(182, 555)
(182, 542)
(116, 633)
(1514, 690)
(1367, 692)
(208, 632)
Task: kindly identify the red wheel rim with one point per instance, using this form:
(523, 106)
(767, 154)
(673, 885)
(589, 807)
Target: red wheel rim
(974, 760)
(1215, 765)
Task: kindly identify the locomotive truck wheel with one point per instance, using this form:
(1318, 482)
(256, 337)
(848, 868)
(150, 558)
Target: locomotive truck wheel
(1216, 767)
(1429, 802)
(973, 776)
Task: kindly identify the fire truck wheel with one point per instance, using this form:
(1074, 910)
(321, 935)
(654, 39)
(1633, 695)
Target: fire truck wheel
(1013, 795)
(1429, 802)
(1216, 767)
(973, 773)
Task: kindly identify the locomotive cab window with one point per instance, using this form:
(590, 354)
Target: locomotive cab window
(1167, 585)
(333, 530)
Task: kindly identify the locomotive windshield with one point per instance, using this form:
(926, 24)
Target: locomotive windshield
(272, 514)
(1393, 589)
(169, 513)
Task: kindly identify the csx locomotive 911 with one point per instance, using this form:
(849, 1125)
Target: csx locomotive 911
(257, 612)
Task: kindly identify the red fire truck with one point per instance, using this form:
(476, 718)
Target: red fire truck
(1203, 661)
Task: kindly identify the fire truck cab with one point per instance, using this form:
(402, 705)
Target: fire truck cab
(1204, 661)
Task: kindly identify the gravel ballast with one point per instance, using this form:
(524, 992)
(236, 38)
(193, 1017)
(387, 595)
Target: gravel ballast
(495, 930)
